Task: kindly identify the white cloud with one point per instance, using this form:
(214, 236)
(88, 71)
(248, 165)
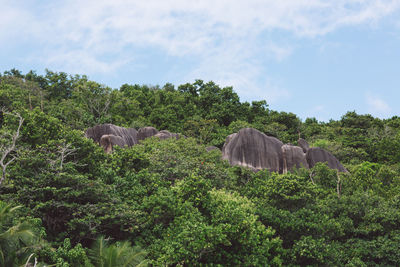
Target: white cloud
(225, 37)
(377, 106)
(278, 51)
(14, 21)
(273, 92)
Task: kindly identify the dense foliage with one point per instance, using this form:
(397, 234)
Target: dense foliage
(64, 202)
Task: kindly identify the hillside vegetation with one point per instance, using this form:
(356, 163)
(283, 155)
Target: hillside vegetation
(64, 202)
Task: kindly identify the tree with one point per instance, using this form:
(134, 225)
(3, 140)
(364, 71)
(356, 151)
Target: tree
(204, 130)
(59, 85)
(7, 149)
(95, 98)
(65, 255)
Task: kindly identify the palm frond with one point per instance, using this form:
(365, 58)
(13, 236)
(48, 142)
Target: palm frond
(118, 254)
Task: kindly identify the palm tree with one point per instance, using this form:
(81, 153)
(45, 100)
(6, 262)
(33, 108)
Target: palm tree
(120, 254)
(15, 238)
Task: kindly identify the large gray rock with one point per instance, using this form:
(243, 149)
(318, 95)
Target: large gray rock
(108, 141)
(251, 148)
(317, 154)
(146, 132)
(303, 144)
(129, 135)
(293, 157)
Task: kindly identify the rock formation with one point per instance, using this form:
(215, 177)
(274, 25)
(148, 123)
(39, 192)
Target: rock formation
(129, 135)
(164, 134)
(146, 132)
(303, 144)
(293, 156)
(251, 148)
(317, 154)
(108, 135)
(227, 140)
(107, 141)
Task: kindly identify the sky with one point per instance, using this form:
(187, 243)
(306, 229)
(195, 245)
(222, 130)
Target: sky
(315, 58)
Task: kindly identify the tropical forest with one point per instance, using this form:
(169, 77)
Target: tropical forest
(188, 175)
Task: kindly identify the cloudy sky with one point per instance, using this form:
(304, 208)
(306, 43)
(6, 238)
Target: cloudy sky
(316, 58)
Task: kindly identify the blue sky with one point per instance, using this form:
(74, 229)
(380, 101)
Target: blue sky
(315, 58)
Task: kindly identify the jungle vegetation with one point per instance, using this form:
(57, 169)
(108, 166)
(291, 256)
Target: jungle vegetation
(64, 202)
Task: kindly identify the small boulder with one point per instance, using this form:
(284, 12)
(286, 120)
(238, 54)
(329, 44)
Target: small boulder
(146, 132)
(164, 134)
(293, 157)
(107, 141)
(317, 154)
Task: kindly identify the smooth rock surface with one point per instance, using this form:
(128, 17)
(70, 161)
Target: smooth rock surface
(303, 144)
(252, 148)
(146, 132)
(129, 135)
(293, 157)
(107, 141)
(317, 154)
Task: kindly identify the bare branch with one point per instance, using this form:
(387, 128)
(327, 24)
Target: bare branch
(65, 150)
(311, 176)
(28, 264)
(338, 184)
(97, 107)
(7, 149)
